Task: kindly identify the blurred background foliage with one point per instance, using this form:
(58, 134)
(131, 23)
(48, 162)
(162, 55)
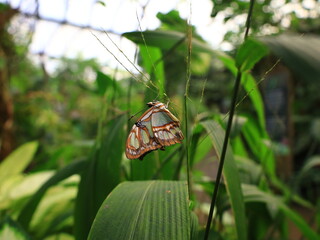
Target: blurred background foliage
(63, 131)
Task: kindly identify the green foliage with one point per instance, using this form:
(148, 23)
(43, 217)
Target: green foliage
(100, 177)
(17, 161)
(11, 230)
(136, 210)
(292, 50)
(73, 182)
(249, 53)
(231, 176)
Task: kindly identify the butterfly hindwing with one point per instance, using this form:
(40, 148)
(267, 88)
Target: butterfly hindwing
(140, 142)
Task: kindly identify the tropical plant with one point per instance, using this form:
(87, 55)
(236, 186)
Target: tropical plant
(97, 193)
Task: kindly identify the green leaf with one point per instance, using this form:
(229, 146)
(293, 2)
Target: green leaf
(200, 146)
(153, 64)
(144, 210)
(300, 53)
(313, 162)
(194, 226)
(231, 177)
(58, 201)
(18, 187)
(238, 147)
(27, 212)
(256, 138)
(105, 82)
(166, 40)
(253, 194)
(101, 176)
(249, 53)
(18, 160)
(250, 85)
(250, 170)
(11, 230)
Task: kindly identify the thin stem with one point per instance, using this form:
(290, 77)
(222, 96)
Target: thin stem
(129, 110)
(188, 77)
(228, 130)
(223, 154)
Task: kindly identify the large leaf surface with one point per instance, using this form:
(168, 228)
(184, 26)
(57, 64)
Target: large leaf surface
(144, 210)
(153, 64)
(101, 176)
(231, 177)
(253, 194)
(300, 53)
(18, 160)
(27, 212)
(249, 53)
(11, 230)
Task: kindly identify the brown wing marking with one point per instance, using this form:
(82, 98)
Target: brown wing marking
(139, 143)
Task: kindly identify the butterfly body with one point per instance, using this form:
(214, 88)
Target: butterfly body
(155, 129)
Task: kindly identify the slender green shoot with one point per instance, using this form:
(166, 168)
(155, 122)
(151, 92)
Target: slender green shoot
(188, 76)
(228, 130)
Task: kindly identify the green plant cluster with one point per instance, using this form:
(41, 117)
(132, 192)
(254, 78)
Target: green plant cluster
(74, 182)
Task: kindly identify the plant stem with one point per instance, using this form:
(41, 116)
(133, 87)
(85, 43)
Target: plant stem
(189, 44)
(228, 130)
(223, 154)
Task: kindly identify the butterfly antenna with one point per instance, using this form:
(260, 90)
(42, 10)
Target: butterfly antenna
(149, 55)
(118, 60)
(115, 57)
(135, 115)
(126, 56)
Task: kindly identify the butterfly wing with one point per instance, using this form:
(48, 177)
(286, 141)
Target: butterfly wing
(141, 139)
(166, 127)
(155, 129)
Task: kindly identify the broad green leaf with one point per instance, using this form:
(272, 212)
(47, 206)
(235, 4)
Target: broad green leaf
(145, 169)
(60, 236)
(100, 177)
(238, 147)
(301, 53)
(194, 226)
(57, 201)
(256, 138)
(200, 146)
(144, 210)
(27, 212)
(249, 53)
(253, 194)
(167, 40)
(103, 82)
(251, 171)
(231, 177)
(10, 230)
(250, 86)
(18, 160)
(153, 64)
(21, 186)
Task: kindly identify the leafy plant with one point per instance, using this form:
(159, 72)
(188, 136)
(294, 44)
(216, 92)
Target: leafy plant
(80, 186)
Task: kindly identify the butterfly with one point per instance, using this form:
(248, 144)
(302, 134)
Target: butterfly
(155, 129)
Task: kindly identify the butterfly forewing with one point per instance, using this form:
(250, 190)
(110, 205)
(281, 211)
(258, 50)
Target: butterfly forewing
(166, 128)
(155, 129)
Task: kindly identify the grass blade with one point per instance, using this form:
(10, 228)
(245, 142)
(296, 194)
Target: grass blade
(231, 177)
